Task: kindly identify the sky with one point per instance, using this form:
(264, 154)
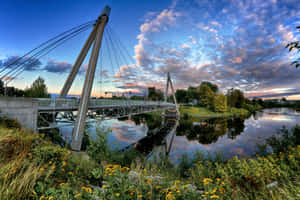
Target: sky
(233, 43)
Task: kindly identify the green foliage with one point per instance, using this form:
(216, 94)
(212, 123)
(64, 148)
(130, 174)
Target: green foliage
(206, 96)
(295, 45)
(195, 93)
(235, 98)
(192, 94)
(38, 89)
(33, 168)
(212, 86)
(100, 151)
(9, 123)
(287, 138)
(137, 97)
(1, 87)
(182, 96)
(155, 95)
(220, 103)
(10, 91)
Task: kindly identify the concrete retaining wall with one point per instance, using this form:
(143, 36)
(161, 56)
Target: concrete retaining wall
(25, 110)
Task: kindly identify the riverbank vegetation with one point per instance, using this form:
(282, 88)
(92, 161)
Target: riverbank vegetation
(206, 100)
(195, 111)
(32, 167)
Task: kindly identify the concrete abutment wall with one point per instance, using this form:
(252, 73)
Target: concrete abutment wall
(25, 110)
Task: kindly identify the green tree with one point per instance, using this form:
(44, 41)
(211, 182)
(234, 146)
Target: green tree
(135, 97)
(212, 86)
(235, 98)
(192, 94)
(206, 96)
(38, 89)
(220, 103)
(240, 99)
(151, 93)
(295, 45)
(181, 96)
(155, 95)
(1, 87)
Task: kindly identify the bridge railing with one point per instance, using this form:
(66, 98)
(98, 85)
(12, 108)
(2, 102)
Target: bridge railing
(74, 103)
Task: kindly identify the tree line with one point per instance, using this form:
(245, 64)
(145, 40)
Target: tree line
(38, 89)
(207, 95)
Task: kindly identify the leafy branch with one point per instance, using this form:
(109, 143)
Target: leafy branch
(295, 45)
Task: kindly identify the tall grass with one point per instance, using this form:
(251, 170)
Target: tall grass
(17, 174)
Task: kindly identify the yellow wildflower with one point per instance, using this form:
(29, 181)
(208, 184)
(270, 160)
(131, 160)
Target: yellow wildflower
(176, 183)
(51, 197)
(64, 163)
(70, 173)
(214, 196)
(53, 167)
(78, 195)
(50, 162)
(126, 168)
(87, 189)
(148, 181)
(117, 194)
(104, 186)
(222, 190)
(63, 184)
(140, 196)
(170, 196)
(43, 197)
(206, 181)
(42, 169)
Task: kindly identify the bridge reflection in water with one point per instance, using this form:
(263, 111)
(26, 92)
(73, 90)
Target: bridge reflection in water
(164, 134)
(156, 137)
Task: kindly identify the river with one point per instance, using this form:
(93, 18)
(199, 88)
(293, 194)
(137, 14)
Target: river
(228, 136)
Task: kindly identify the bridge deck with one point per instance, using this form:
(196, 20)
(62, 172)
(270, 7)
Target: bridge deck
(60, 104)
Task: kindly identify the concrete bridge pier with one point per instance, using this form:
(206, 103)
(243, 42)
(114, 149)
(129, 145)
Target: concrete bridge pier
(25, 110)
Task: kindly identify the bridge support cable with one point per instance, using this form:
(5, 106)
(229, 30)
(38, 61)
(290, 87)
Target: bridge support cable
(120, 54)
(44, 43)
(41, 54)
(88, 83)
(23, 64)
(121, 45)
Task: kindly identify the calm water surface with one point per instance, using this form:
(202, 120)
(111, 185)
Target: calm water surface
(230, 136)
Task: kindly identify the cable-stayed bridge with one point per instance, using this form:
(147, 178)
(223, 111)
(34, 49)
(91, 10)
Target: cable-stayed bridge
(31, 112)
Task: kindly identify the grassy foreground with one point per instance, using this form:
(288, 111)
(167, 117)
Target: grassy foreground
(31, 167)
